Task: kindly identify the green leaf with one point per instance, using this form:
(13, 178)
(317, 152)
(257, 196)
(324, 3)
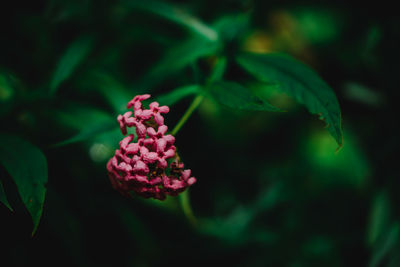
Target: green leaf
(231, 27)
(89, 122)
(80, 116)
(113, 91)
(318, 25)
(178, 58)
(234, 95)
(3, 197)
(89, 132)
(179, 93)
(379, 217)
(218, 70)
(70, 60)
(175, 14)
(28, 167)
(300, 82)
(386, 245)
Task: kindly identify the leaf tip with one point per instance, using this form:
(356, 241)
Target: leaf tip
(340, 146)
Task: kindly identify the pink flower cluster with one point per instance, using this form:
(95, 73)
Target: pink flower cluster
(150, 167)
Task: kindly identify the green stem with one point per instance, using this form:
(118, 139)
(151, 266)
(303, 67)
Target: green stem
(196, 102)
(187, 208)
(184, 196)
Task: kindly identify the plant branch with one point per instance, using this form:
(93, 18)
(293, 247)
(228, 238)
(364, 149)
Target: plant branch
(196, 102)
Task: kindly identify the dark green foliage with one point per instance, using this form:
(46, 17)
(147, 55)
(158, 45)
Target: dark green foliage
(272, 190)
(27, 165)
(69, 61)
(236, 96)
(177, 94)
(300, 82)
(3, 197)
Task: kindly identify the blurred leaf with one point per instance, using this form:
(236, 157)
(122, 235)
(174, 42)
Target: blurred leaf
(318, 246)
(3, 197)
(361, 93)
(237, 227)
(232, 26)
(236, 96)
(300, 82)
(70, 60)
(8, 84)
(348, 167)
(370, 44)
(90, 122)
(6, 89)
(113, 91)
(379, 217)
(318, 25)
(28, 167)
(218, 70)
(90, 132)
(175, 14)
(385, 245)
(231, 228)
(177, 94)
(79, 116)
(177, 58)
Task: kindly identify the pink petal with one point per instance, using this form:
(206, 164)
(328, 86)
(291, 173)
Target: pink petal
(124, 167)
(124, 142)
(114, 161)
(145, 114)
(169, 153)
(191, 181)
(122, 157)
(130, 122)
(166, 180)
(138, 99)
(120, 118)
(162, 129)
(128, 114)
(162, 163)
(163, 109)
(134, 159)
(148, 142)
(140, 130)
(143, 150)
(151, 132)
(109, 165)
(176, 185)
(150, 157)
(143, 97)
(169, 138)
(130, 177)
(132, 149)
(161, 145)
(154, 105)
(141, 167)
(156, 181)
(137, 106)
(132, 102)
(122, 125)
(186, 174)
(159, 119)
(141, 179)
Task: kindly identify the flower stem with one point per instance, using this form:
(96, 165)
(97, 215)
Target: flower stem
(186, 207)
(196, 102)
(184, 196)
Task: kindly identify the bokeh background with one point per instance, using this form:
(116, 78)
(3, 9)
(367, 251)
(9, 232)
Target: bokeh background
(271, 190)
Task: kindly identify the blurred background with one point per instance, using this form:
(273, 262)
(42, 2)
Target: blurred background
(271, 189)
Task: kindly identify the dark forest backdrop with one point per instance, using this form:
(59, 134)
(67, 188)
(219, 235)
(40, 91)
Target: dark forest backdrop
(273, 189)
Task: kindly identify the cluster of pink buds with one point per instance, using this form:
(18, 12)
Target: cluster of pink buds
(150, 167)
